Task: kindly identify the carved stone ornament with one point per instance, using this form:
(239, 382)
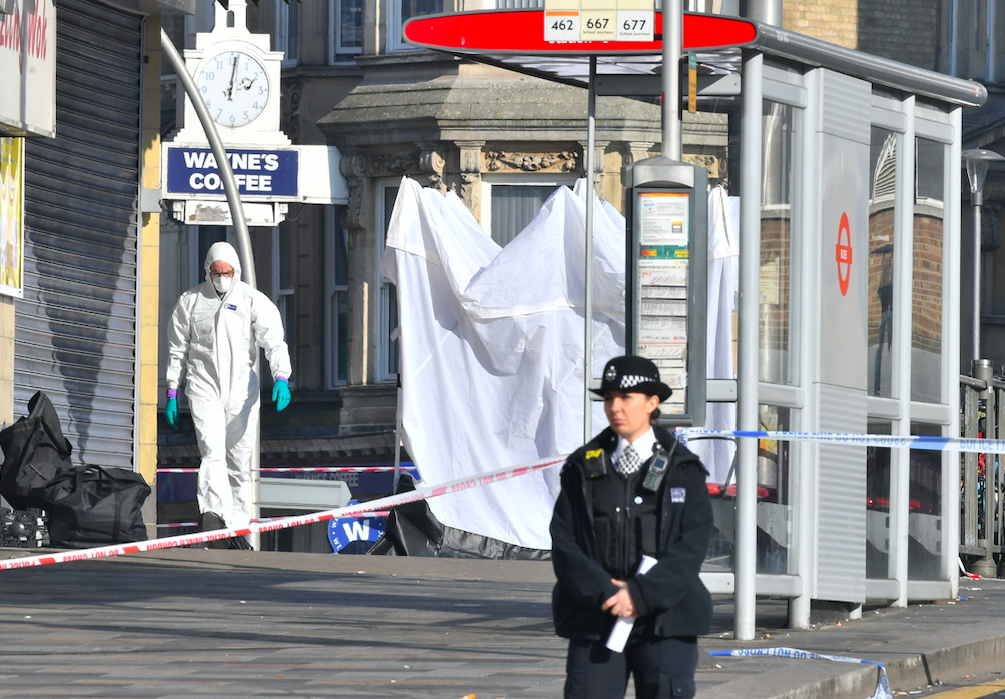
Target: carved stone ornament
(390, 164)
(709, 162)
(636, 151)
(352, 215)
(496, 160)
(432, 163)
(292, 110)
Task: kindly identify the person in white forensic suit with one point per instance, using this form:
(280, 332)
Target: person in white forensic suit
(214, 334)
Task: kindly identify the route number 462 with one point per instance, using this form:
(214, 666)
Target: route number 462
(562, 25)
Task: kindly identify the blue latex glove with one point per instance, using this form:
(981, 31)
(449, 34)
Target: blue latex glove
(281, 394)
(171, 412)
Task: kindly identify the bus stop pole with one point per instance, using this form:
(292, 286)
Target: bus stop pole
(591, 135)
(745, 557)
(239, 222)
(673, 41)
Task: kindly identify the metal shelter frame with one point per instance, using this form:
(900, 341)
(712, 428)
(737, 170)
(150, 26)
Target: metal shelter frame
(781, 67)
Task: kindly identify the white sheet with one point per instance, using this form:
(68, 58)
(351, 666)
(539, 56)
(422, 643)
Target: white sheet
(492, 348)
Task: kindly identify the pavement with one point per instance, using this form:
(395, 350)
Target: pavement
(221, 623)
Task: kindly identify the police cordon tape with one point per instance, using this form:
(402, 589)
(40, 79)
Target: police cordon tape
(308, 469)
(960, 444)
(883, 690)
(423, 493)
(969, 445)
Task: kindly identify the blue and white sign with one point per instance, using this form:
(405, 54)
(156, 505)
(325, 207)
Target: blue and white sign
(263, 173)
(349, 530)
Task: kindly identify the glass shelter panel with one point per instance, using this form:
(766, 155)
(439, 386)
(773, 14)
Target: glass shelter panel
(926, 302)
(925, 519)
(774, 510)
(877, 516)
(776, 242)
(882, 233)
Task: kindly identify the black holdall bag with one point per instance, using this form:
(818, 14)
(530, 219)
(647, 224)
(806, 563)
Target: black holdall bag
(35, 452)
(96, 506)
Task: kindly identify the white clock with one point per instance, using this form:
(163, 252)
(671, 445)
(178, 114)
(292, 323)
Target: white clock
(235, 87)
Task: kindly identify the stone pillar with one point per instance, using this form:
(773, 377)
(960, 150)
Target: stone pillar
(599, 150)
(632, 152)
(147, 352)
(361, 259)
(471, 176)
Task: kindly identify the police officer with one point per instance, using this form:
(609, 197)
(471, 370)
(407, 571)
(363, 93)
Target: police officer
(632, 491)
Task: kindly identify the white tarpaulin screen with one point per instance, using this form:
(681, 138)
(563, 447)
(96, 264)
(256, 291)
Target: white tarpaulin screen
(492, 348)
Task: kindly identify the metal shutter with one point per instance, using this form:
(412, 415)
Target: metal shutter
(75, 329)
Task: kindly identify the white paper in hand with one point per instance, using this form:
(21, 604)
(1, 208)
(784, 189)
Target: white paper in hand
(623, 626)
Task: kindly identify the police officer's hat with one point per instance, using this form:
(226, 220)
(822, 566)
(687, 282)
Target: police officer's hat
(633, 374)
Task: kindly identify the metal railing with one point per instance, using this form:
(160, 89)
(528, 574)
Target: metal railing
(982, 507)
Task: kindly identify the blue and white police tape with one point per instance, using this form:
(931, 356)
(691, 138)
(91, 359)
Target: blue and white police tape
(968, 445)
(882, 686)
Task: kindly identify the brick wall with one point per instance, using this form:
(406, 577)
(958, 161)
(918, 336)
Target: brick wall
(775, 269)
(904, 30)
(835, 21)
(881, 234)
(926, 299)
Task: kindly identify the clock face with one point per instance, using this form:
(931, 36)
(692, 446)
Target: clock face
(234, 86)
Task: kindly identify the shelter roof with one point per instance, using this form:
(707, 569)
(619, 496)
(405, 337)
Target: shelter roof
(494, 37)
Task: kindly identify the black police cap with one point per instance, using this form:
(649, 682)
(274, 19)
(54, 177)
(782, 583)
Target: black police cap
(633, 374)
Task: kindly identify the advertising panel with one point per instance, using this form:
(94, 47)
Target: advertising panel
(12, 217)
(28, 69)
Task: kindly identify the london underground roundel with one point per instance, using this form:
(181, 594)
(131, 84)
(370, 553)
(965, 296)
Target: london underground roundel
(843, 254)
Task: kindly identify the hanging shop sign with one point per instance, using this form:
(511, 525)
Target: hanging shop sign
(28, 69)
(262, 173)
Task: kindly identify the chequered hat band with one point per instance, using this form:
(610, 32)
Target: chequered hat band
(632, 380)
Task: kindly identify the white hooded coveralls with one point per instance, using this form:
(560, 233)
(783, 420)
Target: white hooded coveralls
(216, 339)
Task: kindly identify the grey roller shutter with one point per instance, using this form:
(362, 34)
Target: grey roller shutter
(75, 329)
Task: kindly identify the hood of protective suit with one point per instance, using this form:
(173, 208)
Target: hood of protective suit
(225, 252)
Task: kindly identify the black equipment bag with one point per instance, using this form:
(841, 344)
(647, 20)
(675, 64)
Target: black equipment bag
(35, 452)
(96, 506)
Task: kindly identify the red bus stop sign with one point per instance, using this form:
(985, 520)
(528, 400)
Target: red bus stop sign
(521, 32)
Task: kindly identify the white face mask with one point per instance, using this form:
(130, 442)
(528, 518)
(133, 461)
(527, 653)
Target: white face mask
(223, 284)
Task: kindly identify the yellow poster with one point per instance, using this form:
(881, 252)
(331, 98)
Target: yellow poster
(11, 216)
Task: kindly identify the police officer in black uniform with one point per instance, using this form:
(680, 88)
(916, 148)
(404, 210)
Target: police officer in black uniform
(632, 491)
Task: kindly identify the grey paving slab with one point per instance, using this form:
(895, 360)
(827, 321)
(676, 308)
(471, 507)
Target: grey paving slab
(198, 623)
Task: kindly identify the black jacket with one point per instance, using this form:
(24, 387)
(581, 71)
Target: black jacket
(590, 544)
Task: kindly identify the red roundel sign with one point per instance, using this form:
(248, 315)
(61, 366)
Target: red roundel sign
(843, 254)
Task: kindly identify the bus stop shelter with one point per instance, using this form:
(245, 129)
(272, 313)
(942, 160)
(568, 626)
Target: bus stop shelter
(849, 183)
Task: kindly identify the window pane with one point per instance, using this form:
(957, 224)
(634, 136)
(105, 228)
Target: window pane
(513, 207)
(392, 325)
(341, 255)
(776, 243)
(415, 8)
(925, 519)
(390, 194)
(877, 490)
(350, 24)
(341, 307)
(883, 186)
(774, 512)
(291, 29)
(926, 306)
